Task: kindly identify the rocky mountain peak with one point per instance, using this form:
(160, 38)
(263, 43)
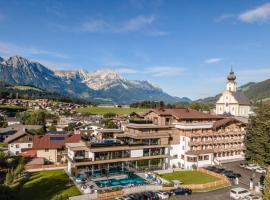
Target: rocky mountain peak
(106, 74)
(1, 59)
(17, 61)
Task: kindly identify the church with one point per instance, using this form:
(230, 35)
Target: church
(231, 101)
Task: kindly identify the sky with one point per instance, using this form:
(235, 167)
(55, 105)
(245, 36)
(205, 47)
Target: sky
(186, 47)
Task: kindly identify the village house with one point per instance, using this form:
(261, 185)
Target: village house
(51, 147)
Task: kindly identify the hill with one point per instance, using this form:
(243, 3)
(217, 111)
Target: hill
(31, 92)
(254, 91)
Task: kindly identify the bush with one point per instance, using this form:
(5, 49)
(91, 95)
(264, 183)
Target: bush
(194, 167)
(109, 115)
(61, 197)
(110, 190)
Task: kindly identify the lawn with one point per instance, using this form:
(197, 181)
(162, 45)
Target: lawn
(46, 184)
(189, 177)
(103, 110)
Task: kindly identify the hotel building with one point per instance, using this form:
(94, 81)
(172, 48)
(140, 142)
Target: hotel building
(181, 138)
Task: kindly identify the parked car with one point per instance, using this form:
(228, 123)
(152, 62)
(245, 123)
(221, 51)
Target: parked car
(252, 166)
(252, 197)
(239, 193)
(261, 170)
(163, 195)
(118, 198)
(80, 179)
(243, 165)
(125, 198)
(181, 191)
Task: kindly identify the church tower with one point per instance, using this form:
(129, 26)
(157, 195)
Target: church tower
(231, 84)
(231, 101)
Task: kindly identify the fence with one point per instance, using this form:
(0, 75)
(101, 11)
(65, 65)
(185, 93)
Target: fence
(222, 181)
(44, 167)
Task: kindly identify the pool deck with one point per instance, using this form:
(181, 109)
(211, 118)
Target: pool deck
(92, 182)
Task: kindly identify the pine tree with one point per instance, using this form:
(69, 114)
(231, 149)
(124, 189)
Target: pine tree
(258, 136)
(266, 195)
(9, 178)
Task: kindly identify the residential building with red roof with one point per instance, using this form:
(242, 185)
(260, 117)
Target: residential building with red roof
(52, 146)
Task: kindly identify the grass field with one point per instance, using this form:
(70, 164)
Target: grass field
(46, 184)
(24, 87)
(103, 110)
(11, 107)
(189, 177)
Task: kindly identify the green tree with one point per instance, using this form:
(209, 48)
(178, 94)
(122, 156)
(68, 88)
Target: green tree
(71, 127)
(6, 193)
(109, 115)
(52, 128)
(3, 161)
(258, 136)
(18, 170)
(9, 177)
(60, 197)
(109, 123)
(3, 122)
(266, 195)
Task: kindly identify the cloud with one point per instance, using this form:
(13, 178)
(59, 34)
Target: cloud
(259, 14)
(213, 60)
(136, 23)
(224, 17)
(99, 25)
(157, 71)
(93, 26)
(9, 49)
(165, 71)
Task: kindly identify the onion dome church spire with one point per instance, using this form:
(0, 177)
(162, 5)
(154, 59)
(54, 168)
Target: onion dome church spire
(231, 76)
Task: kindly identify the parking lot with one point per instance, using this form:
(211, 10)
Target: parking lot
(246, 174)
(224, 194)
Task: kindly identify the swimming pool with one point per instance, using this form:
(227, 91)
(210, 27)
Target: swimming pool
(131, 179)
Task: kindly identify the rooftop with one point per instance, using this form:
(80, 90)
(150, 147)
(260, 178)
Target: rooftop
(184, 114)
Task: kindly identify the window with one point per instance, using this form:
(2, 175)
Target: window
(29, 145)
(182, 157)
(17, 146)
(183, 147)
(200, 158)
(46, 150)
(183, 139)
(206, 157)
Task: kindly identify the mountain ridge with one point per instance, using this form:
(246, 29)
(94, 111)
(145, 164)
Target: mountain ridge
(255, 91)
(101, 86)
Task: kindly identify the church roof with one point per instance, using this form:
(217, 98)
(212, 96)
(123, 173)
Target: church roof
(241, 98)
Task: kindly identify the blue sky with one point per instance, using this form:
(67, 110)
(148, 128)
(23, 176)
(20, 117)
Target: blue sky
(185, 47)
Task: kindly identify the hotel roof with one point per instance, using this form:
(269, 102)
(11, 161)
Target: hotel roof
(182, 114)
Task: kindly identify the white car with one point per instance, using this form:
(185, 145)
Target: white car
(261, 170)
(252, 197)
(252, 166)
(239, 193)
(163, 195)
